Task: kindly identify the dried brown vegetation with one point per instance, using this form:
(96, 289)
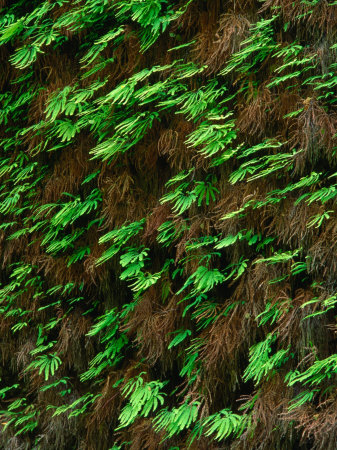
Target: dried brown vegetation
(168, 225)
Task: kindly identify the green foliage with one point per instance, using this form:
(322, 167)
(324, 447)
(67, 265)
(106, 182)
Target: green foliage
(46, 363)
(260, 361)
(178, 419)
(107, 328)
(167, 237)
(143, 398)
(255, 49)
(119, 237)
(225, 423)
(315, 374)
(204, 280)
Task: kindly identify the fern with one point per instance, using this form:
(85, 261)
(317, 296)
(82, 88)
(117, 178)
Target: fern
(167, 196)
(261, 364)
(47, 364)
(176, 420)
(143, 397)
(225, 423)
